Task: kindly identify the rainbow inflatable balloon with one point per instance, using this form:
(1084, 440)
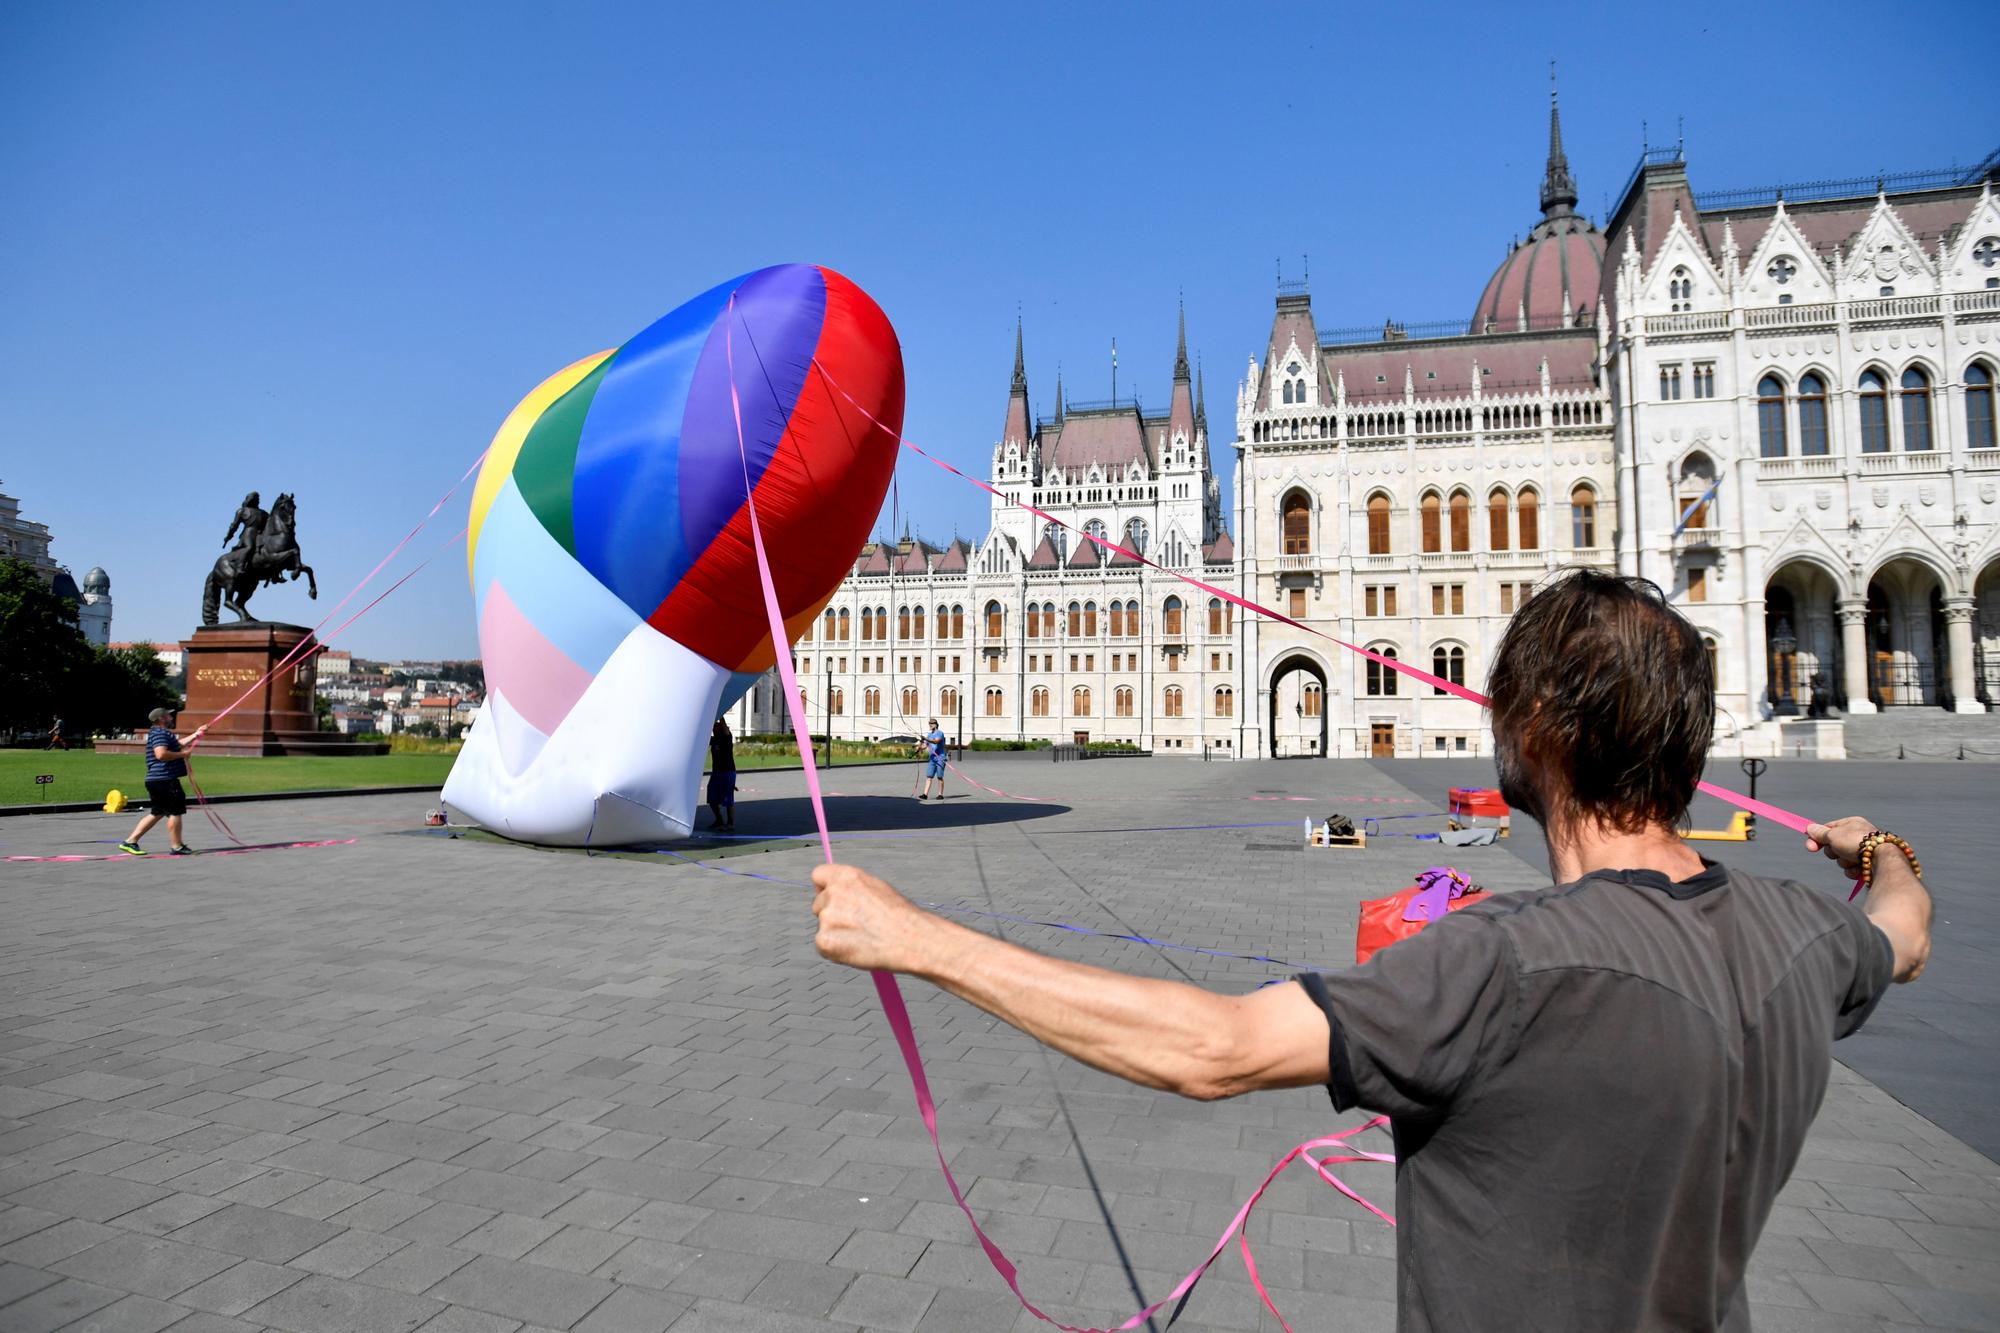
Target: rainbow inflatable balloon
(609, 546)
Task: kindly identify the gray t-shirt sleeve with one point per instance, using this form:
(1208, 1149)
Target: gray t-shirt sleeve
(1408, 1029)
(1870, 967)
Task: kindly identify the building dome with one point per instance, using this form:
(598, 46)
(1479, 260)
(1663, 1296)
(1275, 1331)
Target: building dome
(1551, 279)
(64, 586)
(97, 581)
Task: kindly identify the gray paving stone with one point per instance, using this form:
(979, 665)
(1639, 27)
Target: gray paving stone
(318, 1304)
(50, 1245)
(257, 1233)
(146, 1264)
(874, 1300)
(347, 1254)
(523, 1291)
(631, 1310)
(416, 1268)
(458, 1319)
(94, 1198)
(18, 1280)
(237, 1289)
(716, 1316)
(134, 1314)
(57, 1305)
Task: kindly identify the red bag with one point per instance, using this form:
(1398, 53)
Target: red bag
(1438, 890)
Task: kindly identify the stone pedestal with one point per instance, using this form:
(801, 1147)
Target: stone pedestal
(223, 661)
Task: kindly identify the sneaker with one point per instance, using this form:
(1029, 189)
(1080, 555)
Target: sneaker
(182, 850)
(131, 849)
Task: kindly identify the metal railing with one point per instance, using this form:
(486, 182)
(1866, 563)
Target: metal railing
(1651, 157)
(1403, 331)
(1849, 187)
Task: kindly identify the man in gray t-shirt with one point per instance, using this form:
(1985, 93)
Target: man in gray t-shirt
(1598, 1088)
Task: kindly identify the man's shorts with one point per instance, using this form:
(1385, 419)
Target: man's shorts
(165, 797)
(722, 788)
(934, 769)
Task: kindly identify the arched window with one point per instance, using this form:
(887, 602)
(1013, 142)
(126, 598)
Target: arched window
(1812, 415)
(867, 624)
(1874, 413)
(1978, 407)
(1090, 620)
(1038, 701)
(1461, 521)
(910, 701)
(944, 622)
(1034, 621)
(871, 701)
(1528, 518)
(1432, 510)
(1225, 702)
(996, 701)
(836, 701)
(844, 624)
(1079, 701)
(1916, 411)
(1312, 699)
(1583, 517)
(902, 622)
(1378, 524)
(1135, 535)
(1171, 626)
(996, 621)
(916, 622)
(1121, 701)
(957, 621)
(1697, 479)
(1298, 523)
(1288, 392)
(1496, 520)
(1132, 619)
(1771, 417)
(1218, 616)
(1447, 663)
(1382, 679)
(1075, 619)
(1170, 701)
(1114, 620)
(1048, 620)
(948, 701)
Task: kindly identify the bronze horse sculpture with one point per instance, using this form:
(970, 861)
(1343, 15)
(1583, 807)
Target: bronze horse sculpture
(268, 559)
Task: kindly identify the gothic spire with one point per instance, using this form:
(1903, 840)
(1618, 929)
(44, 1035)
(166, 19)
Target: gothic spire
(1020, 384)
(1059, 397)
(1558, 186)
(1180, 348)
(1200, 399)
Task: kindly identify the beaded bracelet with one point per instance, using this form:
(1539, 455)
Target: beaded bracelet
(1876, 839)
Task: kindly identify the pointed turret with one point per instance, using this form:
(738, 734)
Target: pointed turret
(1059, 392)
(1200, 400)
(1558, 186)
(1180, 418)
(1019, 429)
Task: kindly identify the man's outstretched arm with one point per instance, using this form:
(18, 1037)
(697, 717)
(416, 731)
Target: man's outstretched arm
(1897, 902)
(1161, 1034)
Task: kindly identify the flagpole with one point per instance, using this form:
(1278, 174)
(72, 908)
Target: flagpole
(1114, 372)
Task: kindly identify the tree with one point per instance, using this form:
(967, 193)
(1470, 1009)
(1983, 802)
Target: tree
(45, 662)
(126, 685)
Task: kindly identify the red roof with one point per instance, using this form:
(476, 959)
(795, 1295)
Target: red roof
(1111, 440)
(1513, 363)
(1558, 266)
(1045, 556)
(1220, 551)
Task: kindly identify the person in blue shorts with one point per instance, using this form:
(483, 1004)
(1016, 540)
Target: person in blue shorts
(932, 746)
(722, 777)
(166, 765)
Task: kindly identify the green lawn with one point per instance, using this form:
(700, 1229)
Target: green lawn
(82, 775)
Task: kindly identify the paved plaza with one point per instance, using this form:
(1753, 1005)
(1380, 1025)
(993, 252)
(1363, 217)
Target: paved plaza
(415, 1081)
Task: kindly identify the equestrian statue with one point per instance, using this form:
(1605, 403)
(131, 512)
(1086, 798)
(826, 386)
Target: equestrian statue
(266, 550)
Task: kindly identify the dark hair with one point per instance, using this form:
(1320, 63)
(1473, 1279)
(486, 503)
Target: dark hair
(1603, 705)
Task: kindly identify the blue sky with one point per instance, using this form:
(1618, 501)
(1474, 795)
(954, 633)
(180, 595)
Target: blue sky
(326, 248)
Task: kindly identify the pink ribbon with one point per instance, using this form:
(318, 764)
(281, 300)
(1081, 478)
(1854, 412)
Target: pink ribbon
(891, 994)
(1762, 809)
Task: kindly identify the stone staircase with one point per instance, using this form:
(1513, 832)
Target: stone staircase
(1924, 733)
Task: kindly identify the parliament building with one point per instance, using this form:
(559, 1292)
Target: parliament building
(1776, 404)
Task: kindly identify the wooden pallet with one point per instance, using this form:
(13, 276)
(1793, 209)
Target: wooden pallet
(1356, 841)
